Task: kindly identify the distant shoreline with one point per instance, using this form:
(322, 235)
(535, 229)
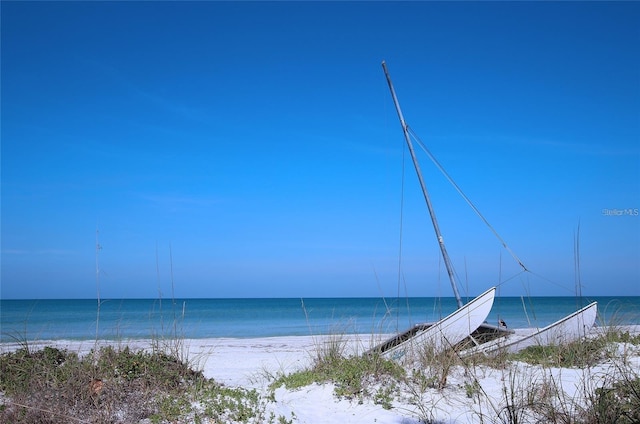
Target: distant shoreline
(146, 342)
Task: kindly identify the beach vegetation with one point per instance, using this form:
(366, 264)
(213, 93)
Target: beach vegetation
(117, 385)
(606, 387)
(615, 399)
(621, 336)
(577, 354)
(354, 376)
(580, 353)
(435, 365)
(619, 403)
(531, 388)
(157, 385)
(472, 389)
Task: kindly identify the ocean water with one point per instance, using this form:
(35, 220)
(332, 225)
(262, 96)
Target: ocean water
(246, 318)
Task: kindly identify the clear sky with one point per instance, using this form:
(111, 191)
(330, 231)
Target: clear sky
(252, 149)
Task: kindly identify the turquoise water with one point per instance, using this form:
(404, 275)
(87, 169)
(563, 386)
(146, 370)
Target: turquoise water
(244, 318)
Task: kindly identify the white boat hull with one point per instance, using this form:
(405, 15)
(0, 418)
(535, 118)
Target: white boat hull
(566, 330)
(442, 334)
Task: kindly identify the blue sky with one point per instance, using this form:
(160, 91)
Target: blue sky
(252, 149)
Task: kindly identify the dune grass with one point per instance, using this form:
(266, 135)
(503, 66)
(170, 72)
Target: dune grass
(158, 385)
(354, 376)
(117, 385)
(534, 397)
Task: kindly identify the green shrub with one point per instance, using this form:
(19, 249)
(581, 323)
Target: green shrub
(112, 386)
(618, 404)
(352, 376)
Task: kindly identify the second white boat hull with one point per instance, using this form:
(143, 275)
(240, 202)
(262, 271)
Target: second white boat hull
(566, 330)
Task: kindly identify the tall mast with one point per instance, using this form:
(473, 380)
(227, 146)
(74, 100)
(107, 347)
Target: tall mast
(443, 249)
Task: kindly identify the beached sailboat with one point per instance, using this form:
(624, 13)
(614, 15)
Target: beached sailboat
(457, 326)
(466, 326)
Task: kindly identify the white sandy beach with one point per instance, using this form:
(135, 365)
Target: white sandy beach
(251, 363)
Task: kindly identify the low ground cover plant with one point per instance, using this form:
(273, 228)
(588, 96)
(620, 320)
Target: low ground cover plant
(111, 385)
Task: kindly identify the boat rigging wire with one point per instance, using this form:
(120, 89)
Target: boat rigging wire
(400, 236)
(477, 211)
(464, 196)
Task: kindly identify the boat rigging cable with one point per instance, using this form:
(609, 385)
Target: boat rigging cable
(477, 211)
(464, 196)
(400, 244)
